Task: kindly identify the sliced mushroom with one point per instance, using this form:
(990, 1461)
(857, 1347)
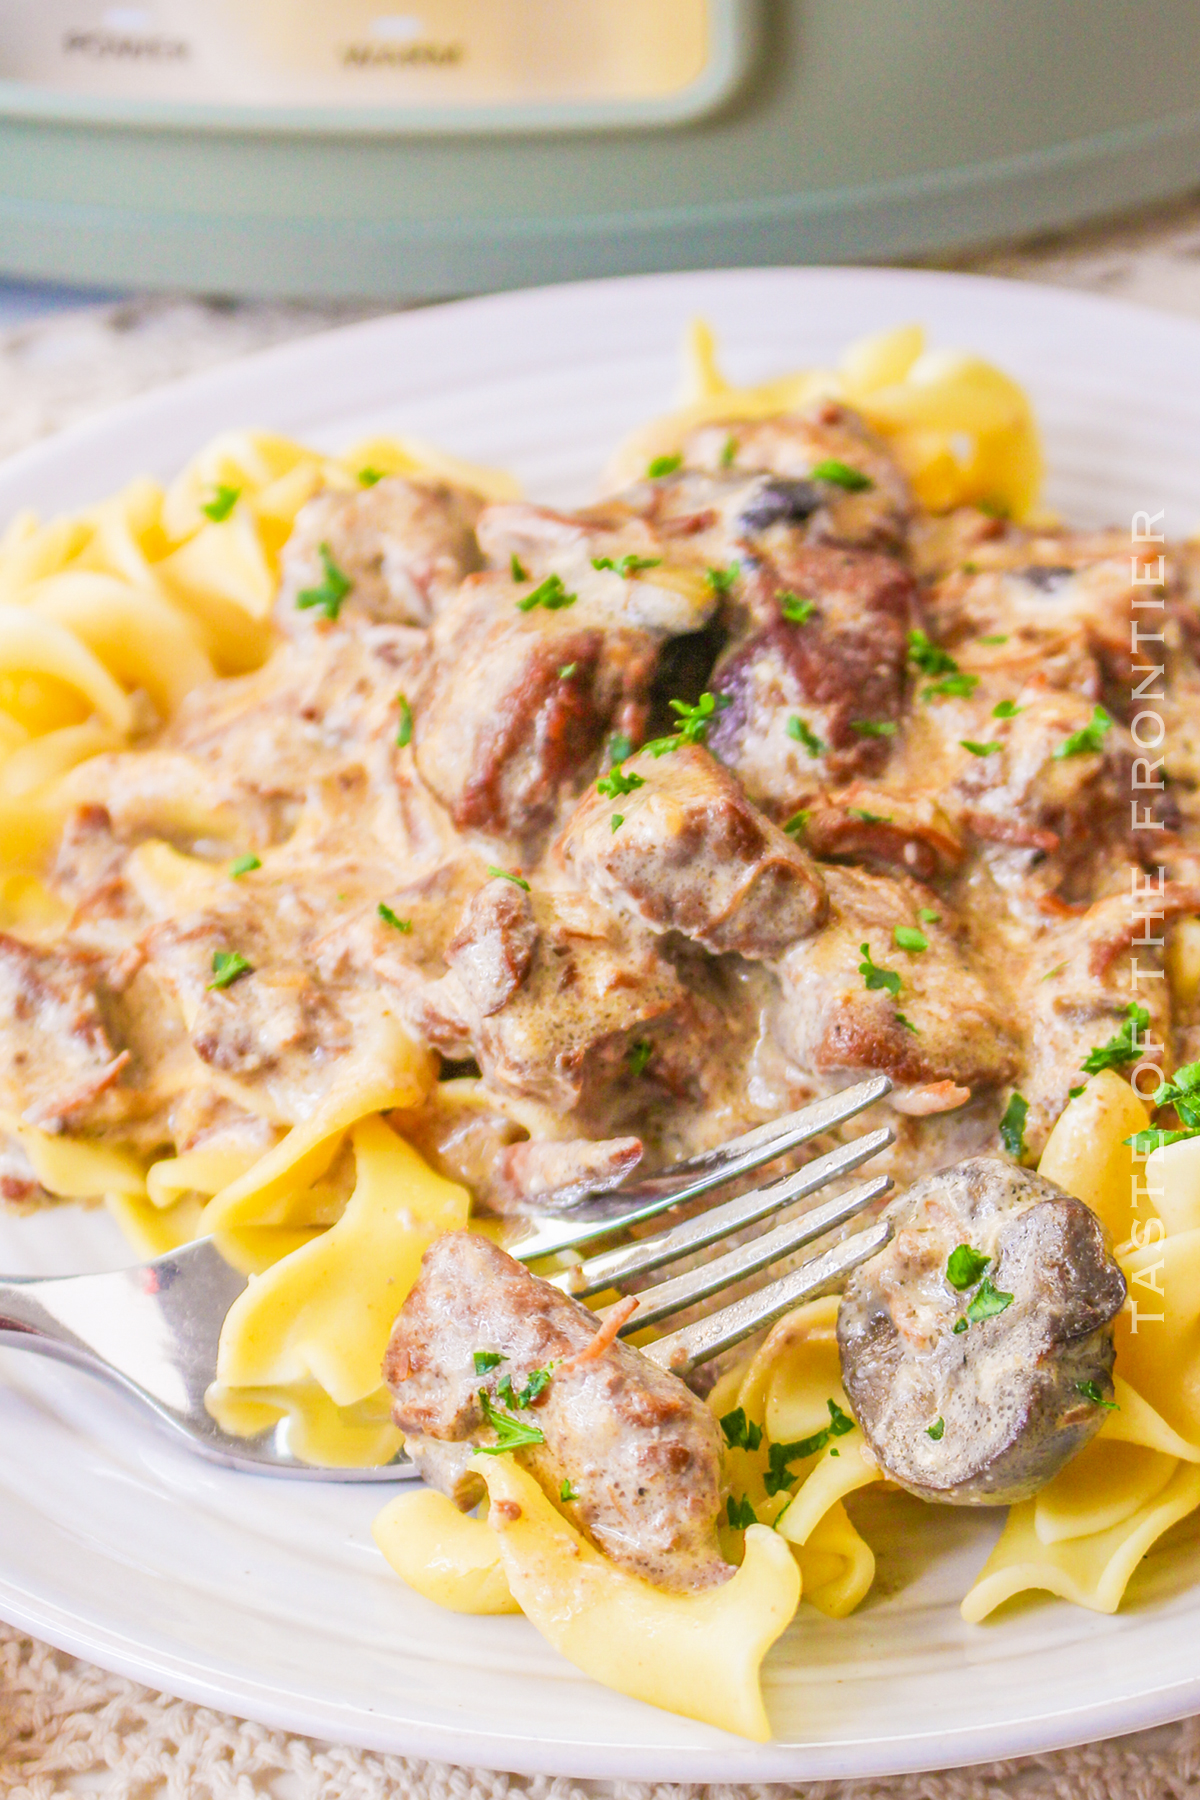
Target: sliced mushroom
(977, 1348)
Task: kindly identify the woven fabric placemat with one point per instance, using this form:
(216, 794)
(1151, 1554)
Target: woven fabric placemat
(69, 1728)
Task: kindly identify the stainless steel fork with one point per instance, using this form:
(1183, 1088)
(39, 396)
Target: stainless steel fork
(153, 1330)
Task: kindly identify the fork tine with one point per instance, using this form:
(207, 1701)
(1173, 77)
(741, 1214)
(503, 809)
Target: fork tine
(612, 1212)
(708, 1337)
(747, 1259)
(611, 1267)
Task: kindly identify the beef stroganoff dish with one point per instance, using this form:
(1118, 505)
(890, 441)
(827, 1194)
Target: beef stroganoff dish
(387, 858)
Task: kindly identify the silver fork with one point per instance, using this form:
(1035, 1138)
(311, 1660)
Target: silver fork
(153, 1329)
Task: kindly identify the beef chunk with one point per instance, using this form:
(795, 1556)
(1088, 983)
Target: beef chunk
(641, 1452)
(59, 1066)
(693, 855)
(493, 947)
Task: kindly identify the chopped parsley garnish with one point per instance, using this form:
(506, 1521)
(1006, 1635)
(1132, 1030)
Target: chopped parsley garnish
(721, 580)
(959, 686)
(869, 818)
(907, 937)
(795, 608)
(841, 475)
(1183, 1093)
(612, 786)
(393, 919)
(797, 823)
(511, 1434)
(328, 596)
(875, 977)
(517, 569)
(964, 1266)
(616, 822)
(1143, 1142)
(638, 1055)
(368, 477)
(927, 915)
(779, 1456)
(619, 747)
(1012, 1125)
(802, 732)
(245, 865)
(507, 875)
(1091, 1391)
(927, 656)
(988, 749)
(566, 1492)
(1007, 709)
(839, 1422)
(567, 670)
(993, 637)
(537, 1383)
(628, 567)
(550, 593)
(740, 1513)
(936, 1430)
(222, 503)
(960, 1325)
(907, 1024)
(1088, 739)
(693, 725)
(741, 1433)
(487, 1359)
(874, 727)
(1074, 1093)
(404, 734)
(1123, 1048)
(988, 1302)
(664, 465)
(728, 452)
(228, 966)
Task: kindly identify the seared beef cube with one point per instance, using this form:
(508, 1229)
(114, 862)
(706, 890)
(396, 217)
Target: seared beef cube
(641, 1453)
(977, 1347)
(893, 833)
(923, 1017)
(518, 702)
(404, 547)
(693, 855)
(817, 696)
(59, 1068)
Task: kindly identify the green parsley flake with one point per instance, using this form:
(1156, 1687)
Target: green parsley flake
(487, 1359)
(328, 596)
(1091, 1391)
(728, 452)
(796, 824)
(988, 1302)
(741, 1433)
(404, 734)
(619, 747)
(1012, 1125)
(390, 918)
(507, 875)
(616, 784)
(228, 966)
(960, 1325)
(369, 477)
(511, 1434)
(959, 686)
(1074, 1093)
(616, 822)
(779, 1456)
(222, 504)
(638, 1055)
(1089, 740)
(567, 670)
(936, 1430)
(993, 637)
(693, 725)
(869, 818)
(517, 569)
(988, 749)
(537, 1383)
(740, 1513)
(1124, 1047)
(927, 915)
(628, 567)
(245, 865)
(875, 977)
(964, 1266)
(881, 728)
(839, 1422)
(927, 656)
(802, 732)
(1143, 1143)
(664, 465)
(907, 937)
(721, 580)
(907, 1024)
(795, 608)
(550, 593)
(841, 475)
(1183, 1093)
(1007, 709)
(566, 1492)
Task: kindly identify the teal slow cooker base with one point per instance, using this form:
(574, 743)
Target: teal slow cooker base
(866, 131)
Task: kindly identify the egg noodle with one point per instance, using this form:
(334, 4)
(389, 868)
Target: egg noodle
(108, 619)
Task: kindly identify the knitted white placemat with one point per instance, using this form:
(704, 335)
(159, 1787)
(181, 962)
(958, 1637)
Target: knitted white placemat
(68, 1728)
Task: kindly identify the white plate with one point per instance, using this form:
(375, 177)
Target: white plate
(267, 1598)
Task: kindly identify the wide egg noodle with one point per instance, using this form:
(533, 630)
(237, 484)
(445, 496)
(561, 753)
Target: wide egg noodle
(1084, 1534)
(447, 1556)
